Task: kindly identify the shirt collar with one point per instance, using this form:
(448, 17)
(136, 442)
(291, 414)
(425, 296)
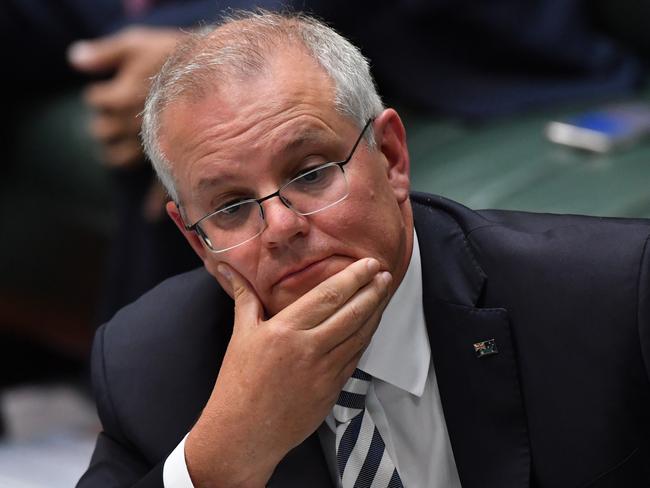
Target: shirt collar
(399, 352)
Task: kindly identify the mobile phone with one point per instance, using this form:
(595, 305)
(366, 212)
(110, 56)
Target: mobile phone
(603, 129)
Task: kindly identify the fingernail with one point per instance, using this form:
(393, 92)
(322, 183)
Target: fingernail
(373, 265)
(80, 52)
(224, 271)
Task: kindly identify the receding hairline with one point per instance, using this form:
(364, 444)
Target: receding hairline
(238, 33)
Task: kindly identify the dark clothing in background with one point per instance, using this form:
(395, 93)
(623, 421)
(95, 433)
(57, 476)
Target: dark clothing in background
(143, 252)
(36, 33)
(478, 59)
(455, 57)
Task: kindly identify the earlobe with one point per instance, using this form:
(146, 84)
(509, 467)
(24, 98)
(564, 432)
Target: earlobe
(174, 213)
(391, 140)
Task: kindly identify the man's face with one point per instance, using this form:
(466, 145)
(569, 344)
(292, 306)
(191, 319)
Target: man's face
(249, 139)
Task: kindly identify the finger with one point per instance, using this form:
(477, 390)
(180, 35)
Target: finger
(119, 94)
(102, 54)
(248, 308)
(330, 295)
(355, 316)
(356, 343)
(123, 153)
(111, 126)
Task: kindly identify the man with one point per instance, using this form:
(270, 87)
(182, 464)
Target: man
(513, 348)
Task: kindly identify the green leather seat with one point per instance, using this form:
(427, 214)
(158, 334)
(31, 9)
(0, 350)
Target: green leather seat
(509, 164)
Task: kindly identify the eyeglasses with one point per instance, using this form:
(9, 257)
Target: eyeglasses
(313, 191)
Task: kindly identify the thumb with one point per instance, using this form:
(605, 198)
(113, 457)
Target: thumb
(102, 54)
(248, 308)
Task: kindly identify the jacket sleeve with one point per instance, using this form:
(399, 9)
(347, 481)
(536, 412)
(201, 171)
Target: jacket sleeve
(114, 463)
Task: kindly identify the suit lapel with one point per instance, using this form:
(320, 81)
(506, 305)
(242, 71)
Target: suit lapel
(481, 397)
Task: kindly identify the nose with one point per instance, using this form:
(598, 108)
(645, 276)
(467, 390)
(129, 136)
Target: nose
(283, 225)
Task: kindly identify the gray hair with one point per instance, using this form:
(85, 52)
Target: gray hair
(240, 47)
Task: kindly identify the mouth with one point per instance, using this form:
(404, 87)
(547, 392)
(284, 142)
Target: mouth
(300, 272)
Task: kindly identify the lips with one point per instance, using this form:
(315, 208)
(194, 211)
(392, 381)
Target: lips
(301, 269)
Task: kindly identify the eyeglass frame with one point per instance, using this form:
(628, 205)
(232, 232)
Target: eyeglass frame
(196, 228)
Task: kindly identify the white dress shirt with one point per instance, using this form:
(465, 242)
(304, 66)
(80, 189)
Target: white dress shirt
(403, 399)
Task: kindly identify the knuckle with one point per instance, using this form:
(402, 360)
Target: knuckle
(310, 352)
(274, 337)
(278, 334)
(238, 292)
(330, 295)
(356, 314)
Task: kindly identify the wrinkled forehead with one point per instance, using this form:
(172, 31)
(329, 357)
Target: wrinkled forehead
(287, 66)
(290, 80)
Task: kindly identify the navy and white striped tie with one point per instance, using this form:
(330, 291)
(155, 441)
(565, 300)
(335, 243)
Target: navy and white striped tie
(363, 461)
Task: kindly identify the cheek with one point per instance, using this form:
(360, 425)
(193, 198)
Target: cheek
(362, 228)
(374, 224)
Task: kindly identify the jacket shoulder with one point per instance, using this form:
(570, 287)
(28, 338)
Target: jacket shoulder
(520, 221)
(154, 363)
(558, 257)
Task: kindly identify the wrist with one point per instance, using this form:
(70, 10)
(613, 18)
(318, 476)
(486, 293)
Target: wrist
(216, 462)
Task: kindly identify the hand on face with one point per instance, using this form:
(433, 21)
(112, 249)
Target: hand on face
(132, 56)
(280, 377)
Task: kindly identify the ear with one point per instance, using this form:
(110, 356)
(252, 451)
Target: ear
(391, 142)
(195, 241)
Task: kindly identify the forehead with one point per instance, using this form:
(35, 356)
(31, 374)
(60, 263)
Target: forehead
(288, 105)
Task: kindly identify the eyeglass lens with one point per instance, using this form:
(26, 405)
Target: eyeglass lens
(307, 194)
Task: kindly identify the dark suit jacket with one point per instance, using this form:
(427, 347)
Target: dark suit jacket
(564, 403)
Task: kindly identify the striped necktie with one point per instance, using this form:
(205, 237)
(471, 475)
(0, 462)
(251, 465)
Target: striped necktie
(361, 455)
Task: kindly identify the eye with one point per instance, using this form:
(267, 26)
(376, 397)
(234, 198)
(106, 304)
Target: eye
(231, 208)
(228, 206)
(313, 175)
(315, 180)
(233, 216)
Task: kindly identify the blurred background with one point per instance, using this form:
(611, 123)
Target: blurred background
(537, 105)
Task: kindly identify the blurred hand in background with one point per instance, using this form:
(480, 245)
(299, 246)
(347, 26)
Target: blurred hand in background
(125, 62)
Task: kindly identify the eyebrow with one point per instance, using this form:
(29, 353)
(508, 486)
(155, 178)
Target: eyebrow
(304, 138)
(205, 183)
